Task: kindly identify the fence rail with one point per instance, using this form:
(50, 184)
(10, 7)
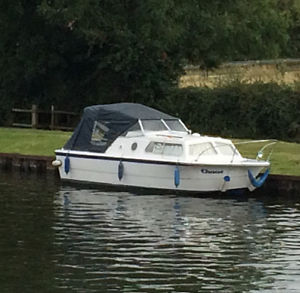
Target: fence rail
(52, 119)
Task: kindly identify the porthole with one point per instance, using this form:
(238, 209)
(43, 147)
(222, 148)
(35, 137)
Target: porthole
(134, 146)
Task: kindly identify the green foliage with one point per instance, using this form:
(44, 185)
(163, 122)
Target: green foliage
(230, 30)
(239, 110)
(291, 9)
(132, 45)
(80, 52)
(40, 62)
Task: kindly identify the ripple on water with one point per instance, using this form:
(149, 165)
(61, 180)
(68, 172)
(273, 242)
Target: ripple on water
(61, 239)
(120, 241)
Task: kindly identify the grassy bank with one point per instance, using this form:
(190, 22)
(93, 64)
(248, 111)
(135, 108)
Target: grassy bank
(285, 158)
(31, 141)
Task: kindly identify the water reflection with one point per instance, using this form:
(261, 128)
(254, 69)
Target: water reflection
(185, 244)
(63, 239)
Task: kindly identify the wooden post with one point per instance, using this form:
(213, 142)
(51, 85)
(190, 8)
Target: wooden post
(34, 116)
(52, 125)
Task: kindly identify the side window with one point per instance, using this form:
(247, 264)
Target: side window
(172, 149)
(154, 147)
(167, 149)
(98, 134)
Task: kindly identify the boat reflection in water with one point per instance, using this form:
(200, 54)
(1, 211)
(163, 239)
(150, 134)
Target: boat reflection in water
(120, 241)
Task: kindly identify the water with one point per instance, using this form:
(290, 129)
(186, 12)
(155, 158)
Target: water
(58, 238)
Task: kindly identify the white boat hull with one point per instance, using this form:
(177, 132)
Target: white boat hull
(157, 174)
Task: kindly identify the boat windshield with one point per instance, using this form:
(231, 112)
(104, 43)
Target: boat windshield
(163, 124)
(175, 125)
(153, 125)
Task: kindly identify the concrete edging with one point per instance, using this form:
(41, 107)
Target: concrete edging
(26, 163)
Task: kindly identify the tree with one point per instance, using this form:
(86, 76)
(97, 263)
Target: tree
(40, 62)
(291, 8)
(79, 52)
(234, 30)
(133, 44)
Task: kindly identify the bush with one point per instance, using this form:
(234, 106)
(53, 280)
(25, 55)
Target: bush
(239, 110)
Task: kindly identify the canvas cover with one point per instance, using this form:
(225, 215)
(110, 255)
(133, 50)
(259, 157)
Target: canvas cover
(102, 124)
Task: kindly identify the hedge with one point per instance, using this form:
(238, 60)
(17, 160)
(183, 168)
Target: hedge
(239, 110)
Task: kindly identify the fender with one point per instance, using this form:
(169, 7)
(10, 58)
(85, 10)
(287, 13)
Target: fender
(260, 180)
(176, 176)
(120, 170)
(67, 164)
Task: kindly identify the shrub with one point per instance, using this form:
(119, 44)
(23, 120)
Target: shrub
(238, 110)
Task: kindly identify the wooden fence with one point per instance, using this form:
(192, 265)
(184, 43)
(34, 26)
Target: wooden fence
(53, 119)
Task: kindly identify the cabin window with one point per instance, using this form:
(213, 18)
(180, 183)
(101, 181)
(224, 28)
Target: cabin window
(225, 149)
(99, 131)
(153, 125)
(155, 147)
(167, 149)
(205, 149)
(175, 125)
(172, 149)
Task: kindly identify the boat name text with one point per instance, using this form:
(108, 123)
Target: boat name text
(206, 171)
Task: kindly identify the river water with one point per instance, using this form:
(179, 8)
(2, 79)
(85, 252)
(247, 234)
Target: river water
(61, 238)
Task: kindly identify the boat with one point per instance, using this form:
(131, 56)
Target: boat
(132, 145)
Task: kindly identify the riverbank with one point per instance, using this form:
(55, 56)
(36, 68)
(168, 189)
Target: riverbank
(275, 184)
(27, 163)
(33, 142)
(281, 185)
(18, 142)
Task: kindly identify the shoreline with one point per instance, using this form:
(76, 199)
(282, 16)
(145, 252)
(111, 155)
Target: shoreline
(276, 183)
(27, 163)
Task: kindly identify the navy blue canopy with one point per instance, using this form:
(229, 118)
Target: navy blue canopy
(102, 124)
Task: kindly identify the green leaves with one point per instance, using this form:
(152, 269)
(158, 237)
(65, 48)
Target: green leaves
(235, 30)
(91, 51)
(239, 110)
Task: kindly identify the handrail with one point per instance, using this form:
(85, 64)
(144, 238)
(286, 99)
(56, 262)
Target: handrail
(260, 152)
(236, 152)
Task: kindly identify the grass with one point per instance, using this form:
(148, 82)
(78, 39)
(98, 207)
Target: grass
(285, 158)
(31, 141)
